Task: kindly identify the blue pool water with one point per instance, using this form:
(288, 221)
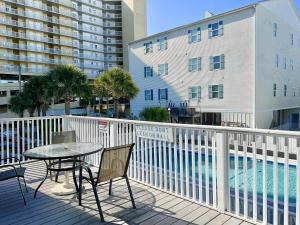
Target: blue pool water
(259, 182)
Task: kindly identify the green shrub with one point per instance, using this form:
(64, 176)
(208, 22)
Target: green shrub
(155, 114)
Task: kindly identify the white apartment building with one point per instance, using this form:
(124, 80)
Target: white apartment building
(240, 67)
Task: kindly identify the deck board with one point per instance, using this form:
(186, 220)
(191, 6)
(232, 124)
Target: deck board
(153, 206)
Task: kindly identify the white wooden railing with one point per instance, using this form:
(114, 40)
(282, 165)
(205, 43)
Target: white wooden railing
(249, 173)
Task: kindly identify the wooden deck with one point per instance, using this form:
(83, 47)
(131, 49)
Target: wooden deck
(153, 206)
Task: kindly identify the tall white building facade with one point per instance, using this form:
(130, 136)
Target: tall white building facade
(241, 67)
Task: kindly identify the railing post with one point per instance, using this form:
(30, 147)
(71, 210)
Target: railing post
(222, 171)
(113, 134)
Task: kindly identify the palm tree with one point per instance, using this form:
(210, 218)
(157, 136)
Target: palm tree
(37, 89)
(119, 84)
(67, 82)
(17, 104)
(101, 91)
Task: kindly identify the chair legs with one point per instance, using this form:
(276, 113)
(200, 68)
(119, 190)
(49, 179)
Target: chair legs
(80, 186)
(98, 203)
(130, 192)
(25, 184)
(21, 191)
(110, 186)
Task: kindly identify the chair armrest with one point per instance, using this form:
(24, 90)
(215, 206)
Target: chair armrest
(89, 171)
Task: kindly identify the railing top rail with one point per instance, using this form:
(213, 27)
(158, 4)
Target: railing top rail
(253, 131)
(28, 118)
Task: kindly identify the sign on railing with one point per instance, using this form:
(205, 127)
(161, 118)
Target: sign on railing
(159, 133)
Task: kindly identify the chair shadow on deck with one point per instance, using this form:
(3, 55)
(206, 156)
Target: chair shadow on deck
(51, 209)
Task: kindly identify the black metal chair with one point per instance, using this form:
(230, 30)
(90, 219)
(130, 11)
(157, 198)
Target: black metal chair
(113, 167)
(58, 138)
(11, 171)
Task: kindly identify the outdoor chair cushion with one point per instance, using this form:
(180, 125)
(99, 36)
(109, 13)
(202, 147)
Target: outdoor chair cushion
(8, 174)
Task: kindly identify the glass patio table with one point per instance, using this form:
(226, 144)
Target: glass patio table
(66, 154)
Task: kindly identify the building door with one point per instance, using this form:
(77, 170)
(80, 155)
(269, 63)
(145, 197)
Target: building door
(295, 121)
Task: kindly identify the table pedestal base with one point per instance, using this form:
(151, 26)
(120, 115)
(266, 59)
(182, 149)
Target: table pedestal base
(65, 188)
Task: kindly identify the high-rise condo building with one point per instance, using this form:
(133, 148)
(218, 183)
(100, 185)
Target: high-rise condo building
(35, 35)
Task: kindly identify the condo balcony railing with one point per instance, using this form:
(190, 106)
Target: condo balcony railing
(112, 7)
(24, 70)
(112, 16)
(112, 24)
(35, 48)
(41, 6)
(34, 27)
(33, 59)
(112, 42)
(113, 59)
(250, 174)
(35, 16)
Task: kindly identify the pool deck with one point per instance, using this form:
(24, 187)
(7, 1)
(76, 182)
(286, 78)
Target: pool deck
(153, 206)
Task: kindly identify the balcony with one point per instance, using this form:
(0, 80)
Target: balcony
(180, 173)
(24, 70)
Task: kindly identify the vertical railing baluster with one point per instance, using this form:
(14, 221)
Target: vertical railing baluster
(175, 162)
(160, 164)
(214, 169)
(7, 140)
(206, 168)
(151, 161)
(2, 140)
(286, 185)
(298, 186)
(186, 160)
(13, 140)
(134, 152)
(18, 140)
(236, 176)
(42, 132)
(143, 158)
(275, 181)
(200, 166)
(265, 200)
(146, 161)
(245, 172)
(170, 168)
(156, 166)
(165, 166)
(254, 174)
(23, 139)
(181, 162)
(138, 158)
(193, 165)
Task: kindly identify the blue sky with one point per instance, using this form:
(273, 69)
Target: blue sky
(167, 14)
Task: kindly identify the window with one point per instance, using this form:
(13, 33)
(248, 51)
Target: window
(3, 93)
(274, 90)
(285, 90)
(163, 94)
(148, 48)
(194, 35)
(292, 39)
(275, 29)
(163, 69)
(148, 71)
(149, 95)
(215, 91)
(162, 44)
(284, 63)
(277, 60)
(215, 29)
(195, 64)
(194, 93)
(217, 62)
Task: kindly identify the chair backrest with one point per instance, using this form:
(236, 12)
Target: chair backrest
(63, 137)
(114, 162)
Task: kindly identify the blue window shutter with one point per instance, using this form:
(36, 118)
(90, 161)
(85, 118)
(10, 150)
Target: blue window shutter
(145, 49)
(199, 34)
(222, 61)
(151, 71)
(190, 65)
(151, 94)
(145, 70)
(145, 94)
(211, 62)
(166, 93)
(151, 47)
(209, 91)
(199, 92)
(167, 69)
(221, 91)
(166, 43)
(158, 94)
(190, 92)
(221, 23)
(209, 31)
(199, 63)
